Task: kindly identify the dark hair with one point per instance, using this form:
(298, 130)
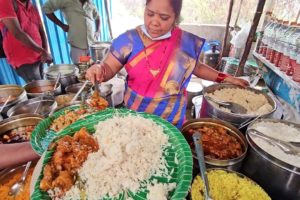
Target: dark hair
(176, 5)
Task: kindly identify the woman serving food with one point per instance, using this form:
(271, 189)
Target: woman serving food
(160, 59)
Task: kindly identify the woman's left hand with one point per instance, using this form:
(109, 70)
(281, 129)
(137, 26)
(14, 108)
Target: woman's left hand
(236, 81)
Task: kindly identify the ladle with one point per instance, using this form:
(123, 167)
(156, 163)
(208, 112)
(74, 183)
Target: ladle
(5, 103)
(79, 91)
(200, 155)
(233, 107)
(284, 146)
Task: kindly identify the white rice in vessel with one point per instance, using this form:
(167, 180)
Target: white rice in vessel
(277, 152)
(254, 103)
(279, 131)
(130, 152)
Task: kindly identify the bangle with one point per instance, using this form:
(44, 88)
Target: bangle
(221, 77)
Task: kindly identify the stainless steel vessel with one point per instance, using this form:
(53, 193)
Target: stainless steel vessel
(209, 110)
(99, 50)
(69, 74)
(232, 164)
(17, 93)
(279, 179)
(19, 121)
(38, 105)
(40, 84)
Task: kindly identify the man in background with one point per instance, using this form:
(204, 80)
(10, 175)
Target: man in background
(83, 23)
(24, 39)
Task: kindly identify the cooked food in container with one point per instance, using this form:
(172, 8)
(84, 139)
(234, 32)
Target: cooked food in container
(278, 172)
(224, 145)
(9, 177)
(64, 99)
(20, 134)
(218, 143)
(256, 104)
(18, 128)
(3, 99)
(280, 131)
(228, 185)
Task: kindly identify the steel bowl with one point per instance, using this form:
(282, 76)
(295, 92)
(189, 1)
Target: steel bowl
(17, 92)
(38, 105)
(240, 175)
(99, 50)
(232, 164)
(65, 99)
(74, 88)
(281, 180)
(69, 74)
(41, 87)
(19, 121)
(209, 110)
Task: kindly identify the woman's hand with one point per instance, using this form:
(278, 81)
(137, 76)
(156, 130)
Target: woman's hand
(236, 81)
(95, 73)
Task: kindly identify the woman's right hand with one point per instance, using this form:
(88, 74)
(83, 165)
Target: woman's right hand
(95, 73)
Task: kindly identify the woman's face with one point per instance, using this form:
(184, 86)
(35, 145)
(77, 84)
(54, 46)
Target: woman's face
(159, 17)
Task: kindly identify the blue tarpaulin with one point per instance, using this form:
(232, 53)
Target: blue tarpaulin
(57, 42)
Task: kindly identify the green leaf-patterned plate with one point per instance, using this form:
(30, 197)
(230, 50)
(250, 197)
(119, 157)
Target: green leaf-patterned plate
(178, 155)
(42, 136)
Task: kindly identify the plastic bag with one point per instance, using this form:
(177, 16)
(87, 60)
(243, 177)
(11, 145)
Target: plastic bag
(239, 40)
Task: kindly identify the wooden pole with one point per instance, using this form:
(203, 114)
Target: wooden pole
(259, 10)
(238, 14)
(226, 29)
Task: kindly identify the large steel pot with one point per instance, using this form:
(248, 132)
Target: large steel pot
(42, 87)
(17, 93)
(231, 164)
(38, 105)
(99, 50)
(209, 110)
(69, 74)
(279, 179)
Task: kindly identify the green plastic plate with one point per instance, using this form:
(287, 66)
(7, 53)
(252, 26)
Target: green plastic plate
(178, 150)
(42, 136)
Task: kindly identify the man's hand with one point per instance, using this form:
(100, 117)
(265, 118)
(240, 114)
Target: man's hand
(46, 57)
(65, 28)
(97, 35)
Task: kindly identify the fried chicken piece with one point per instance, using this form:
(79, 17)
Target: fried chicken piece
(64, 181)
(84, 138)
(46, 182)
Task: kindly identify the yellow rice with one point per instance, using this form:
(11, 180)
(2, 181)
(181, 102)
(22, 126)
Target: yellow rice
(228, 186)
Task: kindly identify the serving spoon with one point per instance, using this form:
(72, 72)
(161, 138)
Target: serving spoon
(286, 147)
(200, 155)
(233, 107)
(15, 188)
(5, 103)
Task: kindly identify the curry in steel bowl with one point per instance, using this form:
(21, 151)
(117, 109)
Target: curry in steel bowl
(219, 141)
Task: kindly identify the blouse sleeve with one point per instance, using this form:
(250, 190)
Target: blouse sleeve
(122, 47)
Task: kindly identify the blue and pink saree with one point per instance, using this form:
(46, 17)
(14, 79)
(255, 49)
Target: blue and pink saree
(159, 73)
